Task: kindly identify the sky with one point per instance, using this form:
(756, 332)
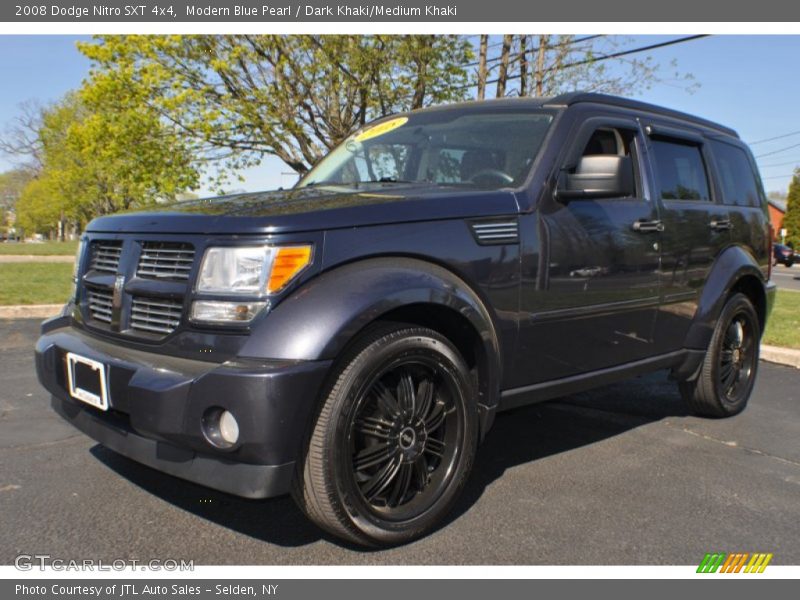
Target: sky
(749, 83)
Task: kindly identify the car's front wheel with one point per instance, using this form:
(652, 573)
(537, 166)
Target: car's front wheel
(729, 369)
(394, 440)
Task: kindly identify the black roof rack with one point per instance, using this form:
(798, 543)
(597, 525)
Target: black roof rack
(571, 98)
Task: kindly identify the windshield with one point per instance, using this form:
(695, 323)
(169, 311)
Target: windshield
(477, 149)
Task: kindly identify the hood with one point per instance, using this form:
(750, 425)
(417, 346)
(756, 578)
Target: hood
(311, 209)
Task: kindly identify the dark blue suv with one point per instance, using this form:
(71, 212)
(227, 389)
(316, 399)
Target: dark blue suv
(351, 340)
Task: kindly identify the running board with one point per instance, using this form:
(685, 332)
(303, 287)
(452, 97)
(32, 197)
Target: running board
(547, 390)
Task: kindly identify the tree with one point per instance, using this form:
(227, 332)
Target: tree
(791, 220)
(12, 183)
(95, 162)
(547, 65)
(239, 97)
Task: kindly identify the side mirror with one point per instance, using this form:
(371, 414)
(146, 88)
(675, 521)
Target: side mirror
(598, 176)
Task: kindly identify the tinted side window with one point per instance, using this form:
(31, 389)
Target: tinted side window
(680, 170)
(736, 175)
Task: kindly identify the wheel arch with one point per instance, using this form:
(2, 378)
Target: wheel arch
(325, 316)
(735, 270)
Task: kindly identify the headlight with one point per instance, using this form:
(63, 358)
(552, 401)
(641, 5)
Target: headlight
(251, 270)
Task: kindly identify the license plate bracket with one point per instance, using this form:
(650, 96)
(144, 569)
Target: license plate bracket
(86, 380)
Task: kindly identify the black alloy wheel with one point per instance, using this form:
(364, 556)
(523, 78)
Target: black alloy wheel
(728, 373)
(394, 440)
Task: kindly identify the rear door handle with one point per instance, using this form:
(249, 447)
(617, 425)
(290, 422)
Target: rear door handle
(721, 225)
(648, 226)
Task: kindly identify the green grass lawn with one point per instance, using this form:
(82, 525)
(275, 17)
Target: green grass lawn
(43, 249)
(35, 283)
(783, 326)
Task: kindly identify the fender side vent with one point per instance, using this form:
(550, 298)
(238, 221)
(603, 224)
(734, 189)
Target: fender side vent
(489, 233)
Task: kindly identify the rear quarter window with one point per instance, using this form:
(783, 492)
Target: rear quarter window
(736, 176)
(680, 170)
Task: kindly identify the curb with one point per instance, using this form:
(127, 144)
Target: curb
(782, 356)
(30, 311)
(29, 258)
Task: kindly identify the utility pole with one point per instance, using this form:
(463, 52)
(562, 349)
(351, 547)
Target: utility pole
(502, 76)
(539, 76)
(482, 70)
(523, 65)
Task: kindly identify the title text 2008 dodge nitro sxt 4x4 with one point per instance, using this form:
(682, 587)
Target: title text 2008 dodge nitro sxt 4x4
(351, 340)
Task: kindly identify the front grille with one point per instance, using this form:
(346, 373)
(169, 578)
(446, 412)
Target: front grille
(100, 304)
(156, 315)
(105, 256)
(165, 260)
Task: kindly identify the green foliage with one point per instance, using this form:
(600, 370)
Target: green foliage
(97, 160)
(236, 98)
(791, 220)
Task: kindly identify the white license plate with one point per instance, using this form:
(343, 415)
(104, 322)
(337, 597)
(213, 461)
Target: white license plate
(86, 379)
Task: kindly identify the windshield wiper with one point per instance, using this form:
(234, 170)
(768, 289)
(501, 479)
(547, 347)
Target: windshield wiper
(386, 180)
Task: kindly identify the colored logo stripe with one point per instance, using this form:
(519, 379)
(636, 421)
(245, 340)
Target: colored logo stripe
(735, 562)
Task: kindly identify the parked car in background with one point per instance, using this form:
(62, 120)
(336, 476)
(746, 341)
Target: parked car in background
(352, 339)
(783, 255)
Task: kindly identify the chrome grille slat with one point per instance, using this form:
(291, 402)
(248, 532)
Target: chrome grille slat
(106, 255)
(100, 304)
(156, 316)
(165, 260)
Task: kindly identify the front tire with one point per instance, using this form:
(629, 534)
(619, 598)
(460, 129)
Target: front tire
(394, 441)
(729, 369)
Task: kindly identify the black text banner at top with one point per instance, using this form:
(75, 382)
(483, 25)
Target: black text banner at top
(477, 11)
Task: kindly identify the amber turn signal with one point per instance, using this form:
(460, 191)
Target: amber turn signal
(288, 262)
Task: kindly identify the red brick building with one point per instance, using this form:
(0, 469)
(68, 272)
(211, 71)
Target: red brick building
(777, 208)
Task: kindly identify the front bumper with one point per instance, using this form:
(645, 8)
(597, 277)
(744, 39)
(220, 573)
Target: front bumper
(157, 403)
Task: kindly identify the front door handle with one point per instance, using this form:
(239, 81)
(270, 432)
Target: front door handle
(643, 226)
(721, 225)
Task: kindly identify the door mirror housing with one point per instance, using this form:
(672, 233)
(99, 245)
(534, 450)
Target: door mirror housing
(598, 176)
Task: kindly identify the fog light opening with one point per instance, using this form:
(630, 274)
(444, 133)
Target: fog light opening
(220, 427)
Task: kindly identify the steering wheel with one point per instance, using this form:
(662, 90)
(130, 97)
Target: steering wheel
(492, 175)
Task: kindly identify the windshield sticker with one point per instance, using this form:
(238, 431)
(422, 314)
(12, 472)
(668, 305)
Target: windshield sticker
(381, 128)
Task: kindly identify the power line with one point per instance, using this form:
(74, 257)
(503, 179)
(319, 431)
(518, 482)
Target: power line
(688, 38)
(779, 177)
(783, 164)
(532, 51)
(778, 151)
(777, 137)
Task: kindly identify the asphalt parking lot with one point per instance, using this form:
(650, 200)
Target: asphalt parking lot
(621, 475)
(787, 278)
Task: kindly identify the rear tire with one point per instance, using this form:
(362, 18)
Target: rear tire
(394, 441)
(729, 369)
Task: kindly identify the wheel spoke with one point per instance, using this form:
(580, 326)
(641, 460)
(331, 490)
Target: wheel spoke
(381, 480)
(436, 418)
(386, 401)
(435, 447)
(421, 473)
(405, 394)
(424, 398)
(729, 378)
(374, 427)
(373, 456)
(401, 484)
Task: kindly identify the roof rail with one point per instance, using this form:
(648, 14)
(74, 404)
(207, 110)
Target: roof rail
(570, 98)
